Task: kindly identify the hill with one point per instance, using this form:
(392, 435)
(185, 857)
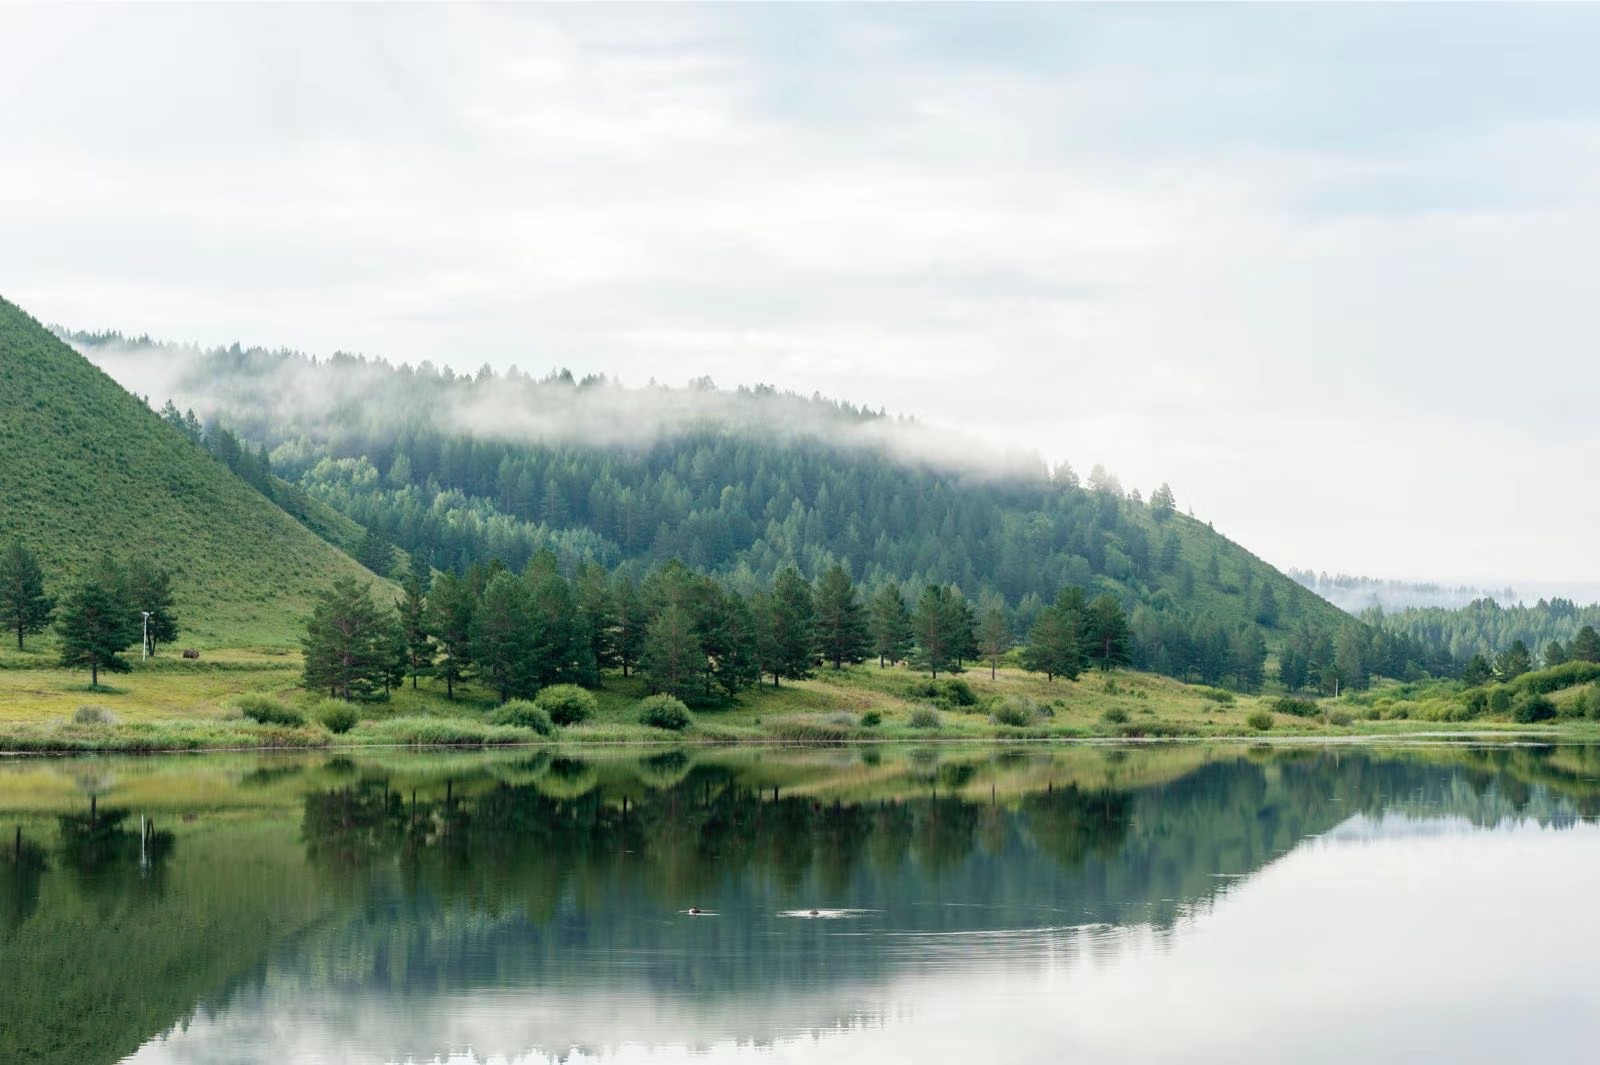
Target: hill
(461, 469)
(87, 469)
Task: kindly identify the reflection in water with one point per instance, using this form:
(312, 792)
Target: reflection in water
(406, 907)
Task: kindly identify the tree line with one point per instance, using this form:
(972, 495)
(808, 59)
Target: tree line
(683, 631)
(110, 607)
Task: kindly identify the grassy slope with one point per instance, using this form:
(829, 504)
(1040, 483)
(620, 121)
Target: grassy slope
(89, 469)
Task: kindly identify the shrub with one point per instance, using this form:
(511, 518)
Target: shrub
(520, 713)
(1341, 718)
(93, 715)
(336, 715)
(959, 693)
(567, 704)
(1295, 707)
(1533, 707)
(265, 710)
(871, 719)
(1500, 700)
(1018, 713)
(1260, 719)
(1115, 715)
(1477, 702)
(924, 717)
(951, 694)
(1217, 695)
(664, 712)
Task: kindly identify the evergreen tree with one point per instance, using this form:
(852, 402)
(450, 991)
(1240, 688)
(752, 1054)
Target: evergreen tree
(1478, 671)
(964, 624)
(1249, 658)
(841, 620)
(994, 638)
(24, 608)
(1105, 628)
(597, 618)
(504, 638)
(1293, 671)
(451, 604)
(419, 648)
(1555, 653)
(150, 591)
(633, 620)
(348, 642)
(673, 660)
(794, 634)
(1586, 645)
(1514, 661)
(96, 623)
(375, 553)
(560, 647)
(936, 624)
(891, 625)
(1054, 646)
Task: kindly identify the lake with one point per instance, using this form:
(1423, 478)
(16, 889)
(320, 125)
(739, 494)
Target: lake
(1162, 902)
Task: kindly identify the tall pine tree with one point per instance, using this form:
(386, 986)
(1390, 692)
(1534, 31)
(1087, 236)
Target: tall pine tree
(24, 608)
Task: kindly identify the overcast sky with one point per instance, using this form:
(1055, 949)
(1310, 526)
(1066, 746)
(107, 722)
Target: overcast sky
(1328, 271)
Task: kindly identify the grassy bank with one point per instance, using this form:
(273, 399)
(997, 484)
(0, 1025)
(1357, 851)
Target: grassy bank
(173, 704)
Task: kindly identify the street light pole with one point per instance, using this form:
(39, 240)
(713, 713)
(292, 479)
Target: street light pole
(145, 647)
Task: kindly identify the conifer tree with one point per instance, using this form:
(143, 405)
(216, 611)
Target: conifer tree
(794, 636)
(633, 619)
(24, 608)
(1053, 646)
(451, 604)
(936, 624)
(891, 625)
(672, 660)
(375, 553)
(1586, 645)
(419, 648)
(1106, 633)
(841, 621)
(96, 623)
(504, 638)
(597, 617)
(348, 643)
(994, 638)
(150, 591)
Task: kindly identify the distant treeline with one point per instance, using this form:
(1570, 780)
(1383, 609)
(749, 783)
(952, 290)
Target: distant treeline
(1546, 630)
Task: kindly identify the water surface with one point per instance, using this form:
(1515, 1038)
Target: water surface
(1032, 904)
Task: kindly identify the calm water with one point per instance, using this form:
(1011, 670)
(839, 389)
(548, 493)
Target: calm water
(1088, 904)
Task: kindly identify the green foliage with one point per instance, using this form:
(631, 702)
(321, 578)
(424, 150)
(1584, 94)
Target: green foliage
(871, 719)
(523, 714)
(951, 694)
(567, 704)
(88, 469)
(96, 623)
(793, 631)
(937, 625)
(1115, 715)
(1014, 711)
(150, 592)
(1259, 719)
(265, 710)
(1055, 644)
(504, 638)
(93, 715)
(336, 715)
(349, 643)
(1295, 707)
(664, 712)
(840, 619)
(24, 608)
(1340, 718)
(891, 624)
(1531, 707)
(923, 717)
(1216, 695)
(1500, 700)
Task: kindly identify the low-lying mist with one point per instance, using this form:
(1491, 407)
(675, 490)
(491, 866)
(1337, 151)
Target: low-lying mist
(284, 395)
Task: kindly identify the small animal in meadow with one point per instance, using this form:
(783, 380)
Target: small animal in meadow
(190, 652)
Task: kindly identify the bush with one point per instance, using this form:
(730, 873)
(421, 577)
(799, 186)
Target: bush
(520, 713)
(1533, 707)
(924, 717)
(93, 715)
(664, 712)
(1217, 695)
(1260, 719)
(1477, 702)
(567, 704)
(265, 710)
(1018, 713)
(336, 715)
(1341, 718)
(1500, 701)
(951, 694)
(1115, 715)
(871, 719)
(1295, 707)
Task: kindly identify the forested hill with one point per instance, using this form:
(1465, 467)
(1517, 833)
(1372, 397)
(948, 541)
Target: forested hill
(86, 471)
(463, 469)
(1487, 628)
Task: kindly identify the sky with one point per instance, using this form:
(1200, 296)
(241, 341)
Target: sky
(1327, 270)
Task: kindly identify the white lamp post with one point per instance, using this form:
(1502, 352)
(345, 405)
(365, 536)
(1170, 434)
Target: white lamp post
(146, 645)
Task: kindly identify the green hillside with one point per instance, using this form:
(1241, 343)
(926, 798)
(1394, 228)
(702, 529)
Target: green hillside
(87, 469)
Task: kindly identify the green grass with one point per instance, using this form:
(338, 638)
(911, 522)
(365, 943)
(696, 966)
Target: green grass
(88, 469)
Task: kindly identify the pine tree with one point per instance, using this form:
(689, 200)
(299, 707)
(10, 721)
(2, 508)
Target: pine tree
(348, 643)
(419, 649)
(375, 553)
(1249, 658)
(597, 616)
(1586, 645)
(1162, 503)
(150, 591)
(672, 660)
(560, 648)
(935, 625)
(24, 608)
(504, 638)
(1053, 647)
(451, 604)
(841, 621)
(1514, 661)
(1105, 629)
(891, 625)
(794, 635)
(633, 619)
(994, 638)
(96, 623)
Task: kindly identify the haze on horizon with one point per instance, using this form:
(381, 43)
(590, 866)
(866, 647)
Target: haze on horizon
(1322, 269)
